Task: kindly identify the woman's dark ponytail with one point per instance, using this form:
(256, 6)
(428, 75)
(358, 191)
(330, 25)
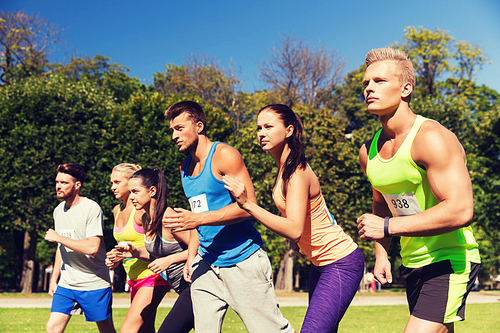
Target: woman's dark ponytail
(155, 177)
(296, 158)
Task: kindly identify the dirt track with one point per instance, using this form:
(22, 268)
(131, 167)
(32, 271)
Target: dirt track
(362, 299)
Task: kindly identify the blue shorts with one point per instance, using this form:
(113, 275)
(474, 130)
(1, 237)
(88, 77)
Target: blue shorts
(96, 304)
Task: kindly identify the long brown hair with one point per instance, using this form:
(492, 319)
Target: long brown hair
(154, 177)
(296, 158)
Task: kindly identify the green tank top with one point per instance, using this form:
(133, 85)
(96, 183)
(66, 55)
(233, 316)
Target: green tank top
(406, 190)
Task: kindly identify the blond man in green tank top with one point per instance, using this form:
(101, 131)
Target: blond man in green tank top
(421, 192)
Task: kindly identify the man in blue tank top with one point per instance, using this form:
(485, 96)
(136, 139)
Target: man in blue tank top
(226, 263)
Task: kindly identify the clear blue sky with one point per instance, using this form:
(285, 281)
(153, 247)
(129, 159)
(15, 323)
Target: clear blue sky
(146, 35)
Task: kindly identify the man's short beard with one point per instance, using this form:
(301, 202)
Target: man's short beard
(191, 148)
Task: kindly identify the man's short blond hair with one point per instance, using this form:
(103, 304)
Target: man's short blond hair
(404, 68)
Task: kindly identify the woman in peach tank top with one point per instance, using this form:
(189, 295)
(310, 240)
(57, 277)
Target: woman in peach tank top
(337, 263)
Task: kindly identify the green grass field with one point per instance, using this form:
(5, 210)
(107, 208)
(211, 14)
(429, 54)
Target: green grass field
(484, 318)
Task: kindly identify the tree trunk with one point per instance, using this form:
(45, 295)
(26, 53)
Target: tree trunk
(41, 277)
(284, 278)
(29, 248)
(279, 284)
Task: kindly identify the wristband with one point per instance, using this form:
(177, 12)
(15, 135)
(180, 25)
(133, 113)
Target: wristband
(386, 226)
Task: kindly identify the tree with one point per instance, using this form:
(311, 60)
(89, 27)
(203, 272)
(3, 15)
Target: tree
(429, 53)
(300, 72)
(470, 59)
(25, 42)
(349, 101)
(203, 76)
(483, 160)
(433, 56)
(105, 74)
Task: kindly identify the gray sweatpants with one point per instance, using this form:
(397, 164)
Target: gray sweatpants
(246, 287)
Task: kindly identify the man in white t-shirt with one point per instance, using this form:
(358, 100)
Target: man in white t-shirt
(79, 264)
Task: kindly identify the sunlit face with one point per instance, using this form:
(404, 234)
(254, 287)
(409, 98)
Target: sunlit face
(140, 196)
(66, 186)
(382, 89)
(185, 132)
(271, 130)
(119, 185)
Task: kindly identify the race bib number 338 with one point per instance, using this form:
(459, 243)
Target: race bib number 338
(199, 203)
(402, 204)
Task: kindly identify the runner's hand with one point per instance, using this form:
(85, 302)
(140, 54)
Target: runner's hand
(237, 189)
(186, 271)
(159, 265)
(382, 271)
(370, 227)
(180, 219)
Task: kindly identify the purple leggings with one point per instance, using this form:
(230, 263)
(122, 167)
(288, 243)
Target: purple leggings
(331, 290)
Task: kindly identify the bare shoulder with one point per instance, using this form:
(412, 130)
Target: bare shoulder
(302, 176)
(116, 209)
(138, 217)
(226, 158)
(435, 142)
(224, 150)
(432, 133)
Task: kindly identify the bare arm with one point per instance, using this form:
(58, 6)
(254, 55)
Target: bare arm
(56, 272)
(194, 242)
(382, 269)
(226, 161)
(130, 251)
(438, 151)
(89, 246)
(291, 226)
(161, 264)
(441, 154)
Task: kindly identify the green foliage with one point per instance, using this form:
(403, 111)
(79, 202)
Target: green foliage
(484, 164)
(433, 56)
(202, 76)
(429, 53)
(104, 74)
(349, 101)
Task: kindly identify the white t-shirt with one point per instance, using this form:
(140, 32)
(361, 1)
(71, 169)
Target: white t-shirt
(80, 271)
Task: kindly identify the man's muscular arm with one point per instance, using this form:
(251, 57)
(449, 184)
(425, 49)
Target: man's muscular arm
(382, 269)
(438, 151)
(226, 161)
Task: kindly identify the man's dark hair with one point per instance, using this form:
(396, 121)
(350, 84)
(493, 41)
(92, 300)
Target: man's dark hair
(73, 169)
(194, 110)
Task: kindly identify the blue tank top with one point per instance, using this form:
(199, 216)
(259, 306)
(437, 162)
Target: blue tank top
(219, 245)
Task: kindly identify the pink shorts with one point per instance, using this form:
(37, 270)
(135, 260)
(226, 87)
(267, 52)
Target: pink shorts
(153, 280)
